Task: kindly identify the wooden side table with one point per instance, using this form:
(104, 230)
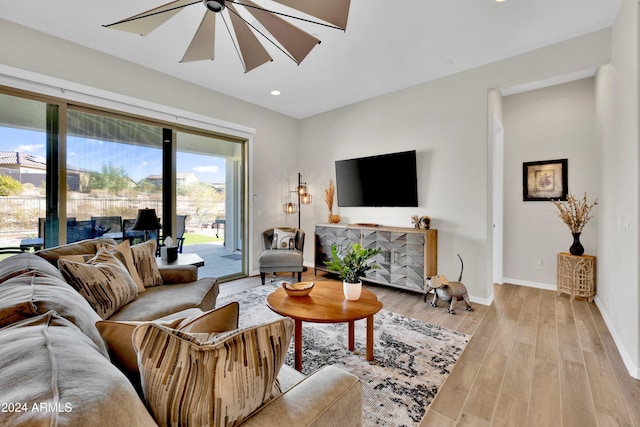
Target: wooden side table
(577, 275)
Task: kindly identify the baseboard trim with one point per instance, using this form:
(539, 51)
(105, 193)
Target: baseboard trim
(633, 370)
(538, 285)
(483, 301)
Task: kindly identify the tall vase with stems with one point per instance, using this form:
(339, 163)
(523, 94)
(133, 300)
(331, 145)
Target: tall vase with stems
(575, 213)
(328, 198)
(576, 248)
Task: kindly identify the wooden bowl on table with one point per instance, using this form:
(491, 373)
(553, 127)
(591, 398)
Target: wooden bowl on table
(300, 289)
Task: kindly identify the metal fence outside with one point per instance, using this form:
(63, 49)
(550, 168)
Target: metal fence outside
(20, 214)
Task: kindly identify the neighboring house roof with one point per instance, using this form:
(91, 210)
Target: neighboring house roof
(15, 158)
(185, 175)
(180, 176)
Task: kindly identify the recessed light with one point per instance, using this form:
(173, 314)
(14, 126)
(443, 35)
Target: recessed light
(500, 1)
(275, 92)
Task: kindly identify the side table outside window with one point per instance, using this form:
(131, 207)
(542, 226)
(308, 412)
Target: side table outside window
(577, 275)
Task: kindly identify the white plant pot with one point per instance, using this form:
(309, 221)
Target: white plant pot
(352, 291)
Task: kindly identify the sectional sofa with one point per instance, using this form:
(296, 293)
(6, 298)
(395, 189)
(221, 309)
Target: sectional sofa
(95, 333)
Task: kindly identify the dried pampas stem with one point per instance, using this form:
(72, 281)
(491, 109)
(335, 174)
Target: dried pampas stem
(575, 213)
(328, 195)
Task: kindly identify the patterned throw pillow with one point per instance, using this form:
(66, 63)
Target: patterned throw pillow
(283, 239)
(221, 382)
(103, 282)
(125, 256)
(77, 258)
(144, 257)
(117, 334)
(124, 248)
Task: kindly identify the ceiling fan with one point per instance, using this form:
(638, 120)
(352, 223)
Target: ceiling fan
(292, 41)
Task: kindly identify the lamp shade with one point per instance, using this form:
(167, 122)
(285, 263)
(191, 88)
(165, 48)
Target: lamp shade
(290, 208)
(146, 220)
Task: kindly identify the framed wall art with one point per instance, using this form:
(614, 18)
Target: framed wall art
(545, 180)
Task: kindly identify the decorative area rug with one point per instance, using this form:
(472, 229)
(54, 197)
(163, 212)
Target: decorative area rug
(412, 358)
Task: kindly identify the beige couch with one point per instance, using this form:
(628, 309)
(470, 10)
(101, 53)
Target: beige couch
(55, 368)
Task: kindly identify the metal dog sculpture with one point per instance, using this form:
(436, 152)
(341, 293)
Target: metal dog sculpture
(447, 291)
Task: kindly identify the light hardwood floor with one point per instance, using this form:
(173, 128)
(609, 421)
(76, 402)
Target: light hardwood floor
(534, 359)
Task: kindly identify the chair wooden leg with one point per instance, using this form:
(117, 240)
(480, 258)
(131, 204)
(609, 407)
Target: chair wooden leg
(299, 276)
(262, 278)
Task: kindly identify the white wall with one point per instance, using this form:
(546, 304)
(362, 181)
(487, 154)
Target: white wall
(618, 125)
(556, 122)
(446, 122)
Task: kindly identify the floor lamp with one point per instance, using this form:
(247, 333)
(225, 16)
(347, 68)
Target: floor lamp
(304, 198)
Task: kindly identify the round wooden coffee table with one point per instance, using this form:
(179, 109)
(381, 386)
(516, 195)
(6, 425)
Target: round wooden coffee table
(326, 304)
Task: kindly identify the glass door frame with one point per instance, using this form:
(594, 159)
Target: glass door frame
(238, 206)
(42, 89)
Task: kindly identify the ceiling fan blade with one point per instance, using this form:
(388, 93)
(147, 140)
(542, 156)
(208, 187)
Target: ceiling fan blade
(145, 22)
(252, 51)
(333, 11)
(296, 41)
(202, 45)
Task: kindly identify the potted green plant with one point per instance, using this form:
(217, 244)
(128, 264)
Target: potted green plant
(351, 265)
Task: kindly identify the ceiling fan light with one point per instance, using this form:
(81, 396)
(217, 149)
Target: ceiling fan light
(215, 6)
(294, 42)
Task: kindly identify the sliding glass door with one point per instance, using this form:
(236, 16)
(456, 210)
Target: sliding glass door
(23, 168)
(113, 168)
(209, 183)
(70, 172)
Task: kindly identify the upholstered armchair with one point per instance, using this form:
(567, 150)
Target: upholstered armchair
(281, 251)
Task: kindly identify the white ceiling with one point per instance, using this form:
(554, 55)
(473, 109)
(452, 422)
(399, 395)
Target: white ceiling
(388, 45)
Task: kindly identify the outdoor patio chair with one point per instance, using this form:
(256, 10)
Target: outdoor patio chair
(128, 233)
(108, 226)
(178, 236)
(42, 222)
(37, 243)
(181, 225)
(80, 230)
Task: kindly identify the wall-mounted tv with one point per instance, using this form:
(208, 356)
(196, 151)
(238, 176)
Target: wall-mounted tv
(377, 181)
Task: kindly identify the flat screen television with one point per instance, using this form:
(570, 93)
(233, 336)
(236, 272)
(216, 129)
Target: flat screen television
(377, 181)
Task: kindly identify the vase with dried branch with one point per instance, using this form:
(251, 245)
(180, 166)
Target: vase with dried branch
(328, 198)
(575, 213)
